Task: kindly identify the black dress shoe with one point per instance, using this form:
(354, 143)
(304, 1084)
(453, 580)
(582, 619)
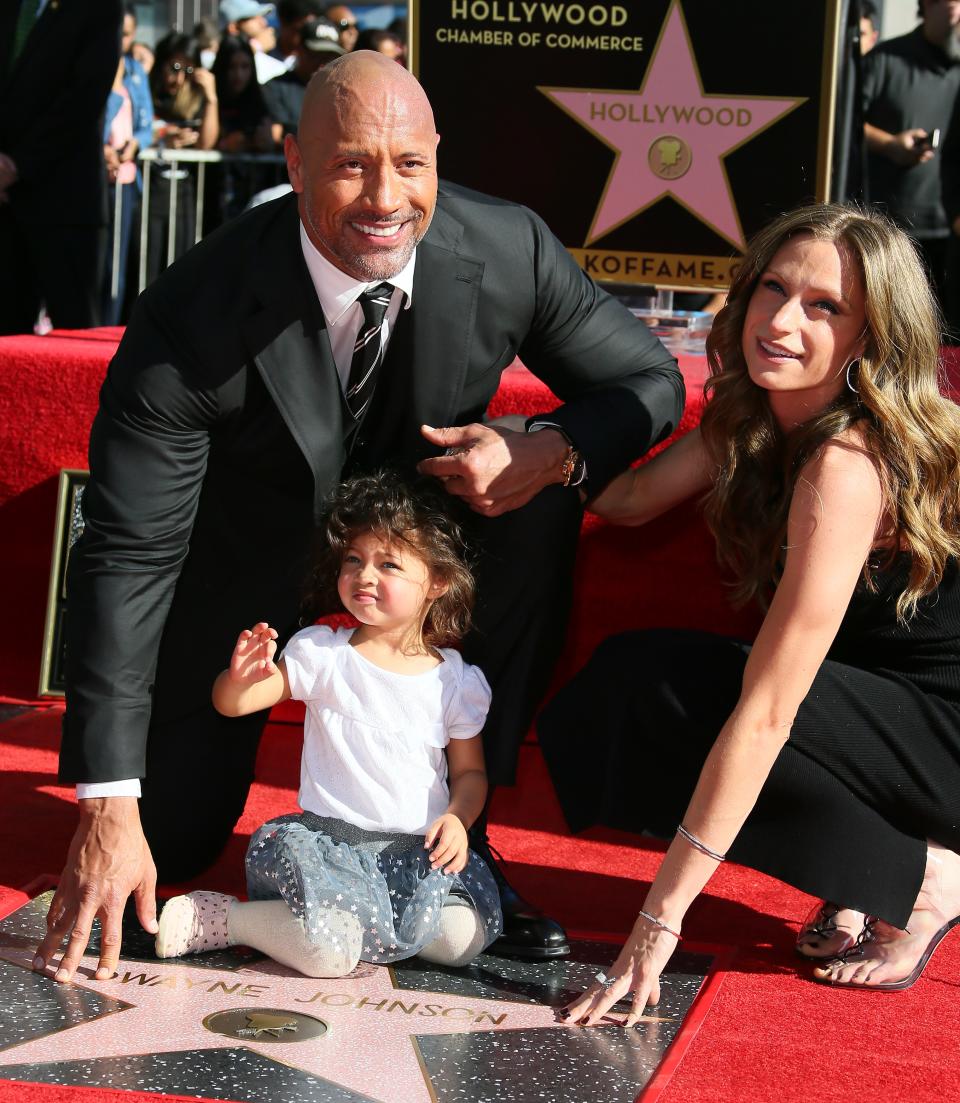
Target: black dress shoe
(527, 932)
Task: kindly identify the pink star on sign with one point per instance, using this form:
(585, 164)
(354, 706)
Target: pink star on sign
(670, 137)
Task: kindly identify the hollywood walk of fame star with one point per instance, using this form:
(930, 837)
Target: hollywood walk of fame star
(670, 137)
(371, 1050)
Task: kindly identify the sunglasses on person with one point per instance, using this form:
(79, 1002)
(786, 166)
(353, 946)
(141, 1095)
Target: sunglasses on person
(346, 24)
(176, 67)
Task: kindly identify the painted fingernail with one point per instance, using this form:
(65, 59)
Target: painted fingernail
(39, 963)
(563, 1013)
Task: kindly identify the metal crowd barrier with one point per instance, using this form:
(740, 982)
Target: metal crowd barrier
(155, 156)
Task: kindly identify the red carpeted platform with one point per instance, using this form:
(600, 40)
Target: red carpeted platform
(770, 1034)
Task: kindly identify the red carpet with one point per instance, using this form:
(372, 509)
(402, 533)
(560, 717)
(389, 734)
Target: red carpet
(770, 1034)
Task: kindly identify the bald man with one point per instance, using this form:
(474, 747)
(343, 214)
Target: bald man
(223, 425)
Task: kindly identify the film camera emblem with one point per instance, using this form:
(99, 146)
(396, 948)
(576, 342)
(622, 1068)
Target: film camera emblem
(265, 1024)
(669, 157)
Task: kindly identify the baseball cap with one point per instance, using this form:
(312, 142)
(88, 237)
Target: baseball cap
(235, 11)
(320, 36)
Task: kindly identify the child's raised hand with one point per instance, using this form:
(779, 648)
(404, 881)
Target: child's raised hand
(252, 659)
(446, 839)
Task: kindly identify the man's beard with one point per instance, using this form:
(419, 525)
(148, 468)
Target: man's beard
(370, 266)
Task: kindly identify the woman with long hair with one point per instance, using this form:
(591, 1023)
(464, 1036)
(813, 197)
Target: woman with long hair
(244, 122)
(185, 117)
(245, 127)
(828, 753)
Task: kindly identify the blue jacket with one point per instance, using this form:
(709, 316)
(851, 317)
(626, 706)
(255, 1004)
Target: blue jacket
(137, 84)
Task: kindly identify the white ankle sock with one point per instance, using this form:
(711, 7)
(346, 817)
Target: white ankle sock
(270, 926)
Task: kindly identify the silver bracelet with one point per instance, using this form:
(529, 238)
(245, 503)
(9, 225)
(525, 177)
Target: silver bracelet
(697, 844)
(660, 923)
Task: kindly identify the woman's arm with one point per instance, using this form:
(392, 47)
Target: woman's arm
(833, 523)
(642, 493)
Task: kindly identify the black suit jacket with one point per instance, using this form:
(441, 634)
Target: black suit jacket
(221, 430)
(51, 108)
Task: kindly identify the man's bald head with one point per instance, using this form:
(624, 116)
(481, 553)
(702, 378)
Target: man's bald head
(365, 78)
(364, 164)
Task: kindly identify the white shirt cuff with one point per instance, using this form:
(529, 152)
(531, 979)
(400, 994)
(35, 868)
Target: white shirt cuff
(86, 790)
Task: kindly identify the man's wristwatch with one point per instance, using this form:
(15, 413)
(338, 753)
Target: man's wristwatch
(574, 466)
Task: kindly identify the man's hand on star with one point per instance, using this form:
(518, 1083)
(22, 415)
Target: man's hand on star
(492, 468)
(108, 861)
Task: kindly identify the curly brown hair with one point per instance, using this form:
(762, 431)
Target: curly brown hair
(415, 513)
(910, 430)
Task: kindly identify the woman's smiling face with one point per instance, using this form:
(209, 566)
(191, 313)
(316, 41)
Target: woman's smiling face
(804, 324)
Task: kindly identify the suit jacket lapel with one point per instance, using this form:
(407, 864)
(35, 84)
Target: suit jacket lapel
(287, 340)
(446, 288)
(46, 21)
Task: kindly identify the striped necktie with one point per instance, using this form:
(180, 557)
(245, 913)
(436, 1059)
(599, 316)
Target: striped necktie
(367, 352)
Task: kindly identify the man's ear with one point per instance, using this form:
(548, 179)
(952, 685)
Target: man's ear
(294, 163)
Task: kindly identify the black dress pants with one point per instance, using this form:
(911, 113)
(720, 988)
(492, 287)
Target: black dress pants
(871, 769)
(200, 765)
(47, 264)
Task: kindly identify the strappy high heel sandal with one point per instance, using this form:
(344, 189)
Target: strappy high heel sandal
(822, 936)
(858, 952)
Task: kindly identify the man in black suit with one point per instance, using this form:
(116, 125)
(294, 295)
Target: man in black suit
(228, 413)
(57, 64)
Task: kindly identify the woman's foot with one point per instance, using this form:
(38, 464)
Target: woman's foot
(886, 958)
(193, 924)
(829, 930)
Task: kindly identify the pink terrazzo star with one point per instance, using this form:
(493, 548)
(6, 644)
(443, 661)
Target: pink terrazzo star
(670, 137)
(369, 1047)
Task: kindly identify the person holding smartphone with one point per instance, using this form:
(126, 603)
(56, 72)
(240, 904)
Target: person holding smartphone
(910, 85)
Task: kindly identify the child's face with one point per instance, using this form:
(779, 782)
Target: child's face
(385, 585)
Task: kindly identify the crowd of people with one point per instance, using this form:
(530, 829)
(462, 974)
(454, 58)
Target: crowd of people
(293, 425)
(234, 85)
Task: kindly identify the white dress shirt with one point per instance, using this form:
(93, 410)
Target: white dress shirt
(338, 294)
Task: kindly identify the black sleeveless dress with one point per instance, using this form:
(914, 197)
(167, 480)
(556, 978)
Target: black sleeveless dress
(871, 769)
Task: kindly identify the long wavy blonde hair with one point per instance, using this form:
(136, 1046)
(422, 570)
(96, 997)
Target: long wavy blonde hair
(911, 431)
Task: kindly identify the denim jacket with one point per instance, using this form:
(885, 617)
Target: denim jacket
(137, 84)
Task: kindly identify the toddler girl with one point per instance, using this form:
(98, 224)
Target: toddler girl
(376, 866)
